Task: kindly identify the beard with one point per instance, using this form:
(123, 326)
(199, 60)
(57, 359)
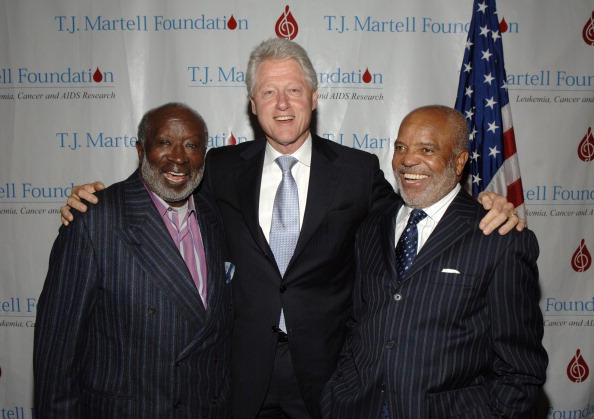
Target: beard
(153, 178)
(439, 186)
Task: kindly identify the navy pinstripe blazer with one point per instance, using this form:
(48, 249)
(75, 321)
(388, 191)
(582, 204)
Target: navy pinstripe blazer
(121, 331)
(442, 344)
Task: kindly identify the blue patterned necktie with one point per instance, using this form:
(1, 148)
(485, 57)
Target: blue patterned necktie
(406, 249)
(284, 229)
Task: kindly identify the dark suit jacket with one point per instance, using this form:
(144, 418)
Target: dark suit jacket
(315, 293)
(121, 331)
(442, 345)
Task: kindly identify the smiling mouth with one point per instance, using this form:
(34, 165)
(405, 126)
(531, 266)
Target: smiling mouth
(176, 177)
(284, 118)
(414, 176)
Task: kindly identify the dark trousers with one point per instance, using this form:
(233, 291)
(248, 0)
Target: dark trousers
(283, 399)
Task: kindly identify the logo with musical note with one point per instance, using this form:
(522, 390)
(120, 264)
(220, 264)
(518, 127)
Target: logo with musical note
(586, 147)
(286, 25)
(577, 370)
(588, 31)
(581, 260)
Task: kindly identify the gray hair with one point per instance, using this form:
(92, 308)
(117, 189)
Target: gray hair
(279, 49)
(145, 126)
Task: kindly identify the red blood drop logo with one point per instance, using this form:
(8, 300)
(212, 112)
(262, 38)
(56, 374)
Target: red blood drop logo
(286, 25)
(232, 23)
(97, 76)
(578, 370)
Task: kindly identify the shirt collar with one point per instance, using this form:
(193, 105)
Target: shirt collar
(435, 211)
(303, 154)
(163, 206)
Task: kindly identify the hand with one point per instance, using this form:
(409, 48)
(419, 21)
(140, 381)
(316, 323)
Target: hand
(500, 211)
(75, 198)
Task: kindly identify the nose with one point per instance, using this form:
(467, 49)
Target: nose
(282, 101)
(178, 154)
(405, 157)
(409, 159)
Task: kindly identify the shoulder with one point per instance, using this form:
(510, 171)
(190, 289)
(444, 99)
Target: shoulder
(234, 151)
(346, 153)
(525, 239)
(115, 198)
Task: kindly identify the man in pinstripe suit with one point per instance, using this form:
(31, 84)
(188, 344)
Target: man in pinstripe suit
(459, 333)
(135, 316)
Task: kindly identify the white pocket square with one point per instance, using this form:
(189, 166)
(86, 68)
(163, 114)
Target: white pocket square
(229, 271)
(450, 271)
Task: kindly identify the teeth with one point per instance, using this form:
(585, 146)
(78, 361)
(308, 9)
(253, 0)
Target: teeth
(284, 118)
(414, 176)
(175, 177)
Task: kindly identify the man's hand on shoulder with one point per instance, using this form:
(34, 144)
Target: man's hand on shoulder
(74, 201)
(500, 212)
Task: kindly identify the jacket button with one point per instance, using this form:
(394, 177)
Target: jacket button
(397, 297)
(283, 289)
(382, 388)
(152, 310)
(390, 344)
(177, 404)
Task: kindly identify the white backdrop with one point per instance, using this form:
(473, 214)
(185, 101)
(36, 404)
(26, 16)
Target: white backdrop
(76, 76)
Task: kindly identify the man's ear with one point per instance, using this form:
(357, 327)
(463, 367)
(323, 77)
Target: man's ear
(461, 160)
(139, 150)
(314, 99)
(253, 106)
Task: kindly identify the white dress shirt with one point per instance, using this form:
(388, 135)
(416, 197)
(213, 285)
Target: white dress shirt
(272, 176)
(427, 225)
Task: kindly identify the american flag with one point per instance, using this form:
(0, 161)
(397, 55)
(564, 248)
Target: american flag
(483, 99)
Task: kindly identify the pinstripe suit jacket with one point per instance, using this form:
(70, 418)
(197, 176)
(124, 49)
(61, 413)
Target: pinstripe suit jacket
(121, 331)
(315, 293)
(442, 345)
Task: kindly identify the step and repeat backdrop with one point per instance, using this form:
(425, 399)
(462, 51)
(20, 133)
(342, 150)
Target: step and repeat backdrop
(76, 76)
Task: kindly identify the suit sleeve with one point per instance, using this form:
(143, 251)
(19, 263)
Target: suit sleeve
(520, 360)
(382, 193)
(61, 326)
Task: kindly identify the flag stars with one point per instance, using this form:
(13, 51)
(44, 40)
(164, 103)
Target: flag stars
(493, 127)
(469, 114)
(467, 68)
(493, 151)
(488, 78)
(468, 44)
(476, 179)
(490, 102)
(484, 30)
(482, 7)
(472, 134)
(475, 156)
(469, 91)
(495, 35)
(486, 55)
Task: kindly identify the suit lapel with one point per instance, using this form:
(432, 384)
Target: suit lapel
(249, 179)
(207, 220)
(324, 176)
(387, 231)
(156, 252)
(460, 218)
